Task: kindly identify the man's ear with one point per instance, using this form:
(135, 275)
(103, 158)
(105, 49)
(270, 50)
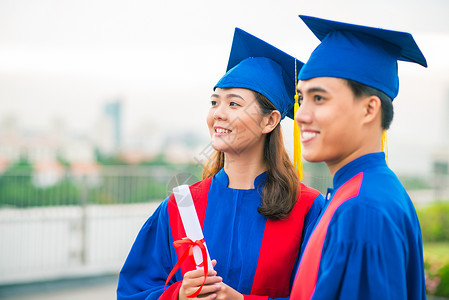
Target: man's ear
(270, 121)
(371, 109)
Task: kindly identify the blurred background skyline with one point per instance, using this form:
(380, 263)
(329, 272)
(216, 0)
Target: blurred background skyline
(62, 63)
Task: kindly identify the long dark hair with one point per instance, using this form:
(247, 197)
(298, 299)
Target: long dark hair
(282, 184)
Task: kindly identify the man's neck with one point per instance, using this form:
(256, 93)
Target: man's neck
(334, 166)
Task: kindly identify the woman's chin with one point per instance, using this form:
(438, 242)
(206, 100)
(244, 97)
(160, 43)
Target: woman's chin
(219, 146)
(218, 149)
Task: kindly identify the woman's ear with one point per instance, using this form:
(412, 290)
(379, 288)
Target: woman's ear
(371, 109)
(270, 121)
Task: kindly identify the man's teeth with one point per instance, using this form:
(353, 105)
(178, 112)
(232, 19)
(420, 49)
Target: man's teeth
(222, 130)
(308, 135)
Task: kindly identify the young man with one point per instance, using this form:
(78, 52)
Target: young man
(367, 243)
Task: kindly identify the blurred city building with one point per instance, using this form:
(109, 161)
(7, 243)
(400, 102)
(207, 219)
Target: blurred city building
(440, 160)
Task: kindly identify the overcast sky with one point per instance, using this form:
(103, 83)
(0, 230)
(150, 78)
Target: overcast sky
(65, 59)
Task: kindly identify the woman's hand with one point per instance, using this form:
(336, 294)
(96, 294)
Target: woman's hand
(227, 292)
(193, 279)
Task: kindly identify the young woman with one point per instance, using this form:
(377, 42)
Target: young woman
(253, 210)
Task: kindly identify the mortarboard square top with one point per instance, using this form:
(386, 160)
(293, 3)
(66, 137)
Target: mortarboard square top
(256, 65)
(367, 55)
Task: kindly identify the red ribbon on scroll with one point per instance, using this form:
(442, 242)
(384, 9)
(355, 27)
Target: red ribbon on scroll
(189, 253)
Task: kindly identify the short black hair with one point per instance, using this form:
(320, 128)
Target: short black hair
(360, 90)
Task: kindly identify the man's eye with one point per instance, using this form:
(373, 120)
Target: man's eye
(318, 98)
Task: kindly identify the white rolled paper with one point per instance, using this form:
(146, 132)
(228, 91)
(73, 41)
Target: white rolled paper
(190, 221)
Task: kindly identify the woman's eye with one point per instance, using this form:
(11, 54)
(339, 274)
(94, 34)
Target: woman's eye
(234, 104)
(213, 102)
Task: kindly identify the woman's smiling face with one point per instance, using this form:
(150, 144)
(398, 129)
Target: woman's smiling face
(234, 121)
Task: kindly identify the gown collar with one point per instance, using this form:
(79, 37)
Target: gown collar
(223, 179)
(358, 165)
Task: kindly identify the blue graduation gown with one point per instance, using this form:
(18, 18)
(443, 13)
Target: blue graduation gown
(367, 243)
(244, 243)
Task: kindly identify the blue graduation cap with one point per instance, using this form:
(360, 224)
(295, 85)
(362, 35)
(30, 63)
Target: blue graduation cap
(256, 65)
(367, 55)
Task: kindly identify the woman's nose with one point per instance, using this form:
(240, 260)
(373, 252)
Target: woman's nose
(219, 113)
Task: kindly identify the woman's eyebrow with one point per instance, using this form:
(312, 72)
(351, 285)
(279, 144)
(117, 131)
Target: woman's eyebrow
(234, 95)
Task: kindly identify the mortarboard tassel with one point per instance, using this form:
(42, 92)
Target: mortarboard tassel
(384, 146)
(297, 160)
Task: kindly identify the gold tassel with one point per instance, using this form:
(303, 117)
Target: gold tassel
(297, 159)
(384, 146)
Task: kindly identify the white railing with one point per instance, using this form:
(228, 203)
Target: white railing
(85, 225)
(55, 242)
(78, 225)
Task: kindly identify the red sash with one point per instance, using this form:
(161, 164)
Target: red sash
(280, 247)
(307, 276)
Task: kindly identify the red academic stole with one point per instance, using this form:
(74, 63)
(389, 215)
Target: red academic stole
(280, 247)
(305, 282)
(280, 243)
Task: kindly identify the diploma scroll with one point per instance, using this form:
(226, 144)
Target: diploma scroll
(190, 221)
